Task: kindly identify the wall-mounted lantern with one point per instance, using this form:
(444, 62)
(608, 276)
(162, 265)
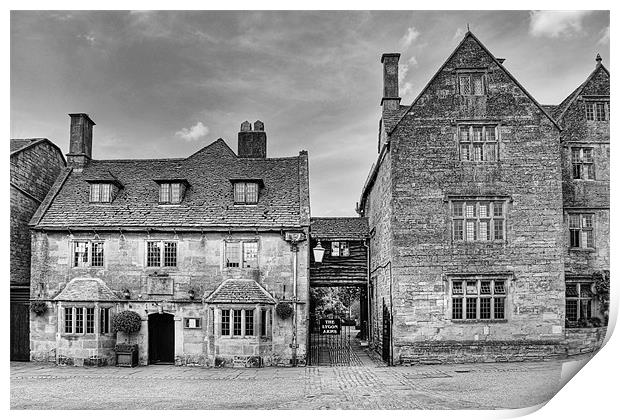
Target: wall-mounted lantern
(126, 294)
(191, 294)
(318, 251)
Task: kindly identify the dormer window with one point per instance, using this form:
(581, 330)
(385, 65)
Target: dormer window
(171, 191)
(100, 193)
(246, 192)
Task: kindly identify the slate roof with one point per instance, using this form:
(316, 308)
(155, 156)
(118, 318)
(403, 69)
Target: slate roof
(339, 228)
(86, 289)
(208, 201)
(19, 145)
(240, 291)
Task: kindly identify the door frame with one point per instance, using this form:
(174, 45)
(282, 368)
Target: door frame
(152, 345)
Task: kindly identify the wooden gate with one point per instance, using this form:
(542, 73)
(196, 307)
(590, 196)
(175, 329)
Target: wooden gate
(20, 324)
(330, 342)
(386, 342)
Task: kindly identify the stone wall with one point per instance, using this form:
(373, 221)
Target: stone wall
(33, 171)
(584, 340)
(199, 268)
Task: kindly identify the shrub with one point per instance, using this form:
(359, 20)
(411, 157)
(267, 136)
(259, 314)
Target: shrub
(284, 310)
(126, 321)
(38, 307)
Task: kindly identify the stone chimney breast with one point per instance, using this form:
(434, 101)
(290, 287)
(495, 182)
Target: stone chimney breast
(252, 143)
(80, 140)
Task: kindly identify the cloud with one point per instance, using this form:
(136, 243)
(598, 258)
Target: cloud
(90, 37)
(604, 36)
(458, 34)
(556, 23)
(409, 38)
(193, 133)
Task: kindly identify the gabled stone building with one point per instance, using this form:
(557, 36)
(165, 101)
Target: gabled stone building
(470, 209)
(35, 165)
(203, 248)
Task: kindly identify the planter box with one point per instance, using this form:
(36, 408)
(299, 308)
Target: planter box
(127, 357)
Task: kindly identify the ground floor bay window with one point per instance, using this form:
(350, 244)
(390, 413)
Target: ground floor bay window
(245, 322)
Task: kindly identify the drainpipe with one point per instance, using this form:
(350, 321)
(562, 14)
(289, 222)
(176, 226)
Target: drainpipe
(294, 344)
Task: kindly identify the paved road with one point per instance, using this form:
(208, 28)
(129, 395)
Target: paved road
(479, 386)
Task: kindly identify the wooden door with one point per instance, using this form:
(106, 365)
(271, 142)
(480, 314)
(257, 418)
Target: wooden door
(161, 338)
(20, 331)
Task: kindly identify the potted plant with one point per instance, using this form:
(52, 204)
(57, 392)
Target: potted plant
(38, 307)
(127, 322)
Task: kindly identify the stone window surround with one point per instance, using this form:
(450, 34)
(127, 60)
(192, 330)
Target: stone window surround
(486, 122)
(242, 242)
(581, 213)
(595, 100)
(507, 277)
(88, 264)
(591, 175)
(161, 254)
(257, 317)
(471, 72)
(579, 282)
(449, 199)
(96, 321)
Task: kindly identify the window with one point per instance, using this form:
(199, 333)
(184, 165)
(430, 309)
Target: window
(597, 111)
(87, 253)
(478, 221)
(475, 299)
(170, 192)
(471, 84)
(81, 320)
(241, 254)
(104, 320)
(581, 230)
(192, 323)
(100, 193)
(583, 162)
(241, 322)
(578, 301)
(246, 192)
(478, 143)
(161, 254)
(340, 249)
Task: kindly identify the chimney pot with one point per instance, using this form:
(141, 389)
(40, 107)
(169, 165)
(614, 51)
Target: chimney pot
(259, 126)
(246, 126)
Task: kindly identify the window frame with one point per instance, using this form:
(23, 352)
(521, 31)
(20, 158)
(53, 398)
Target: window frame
(89, 253)
(467, 295)
(592, 108)
(579, 231)
(584, 163)
(467, 147)
(241, 262)
(470, 75)
(460, 220)
(197, 325)
(242, 195)
(162, 253)
(167, 197)
(230, 328)
(98, 194)
(579, 299)
(83, 324)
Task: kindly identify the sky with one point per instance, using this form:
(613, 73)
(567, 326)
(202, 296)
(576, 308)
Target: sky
(165, 84)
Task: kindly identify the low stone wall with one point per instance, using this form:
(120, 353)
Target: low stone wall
(584, 340)
(438, 352)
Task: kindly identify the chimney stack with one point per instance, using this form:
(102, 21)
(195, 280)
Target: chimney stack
(252, 143)
(390, 100)
(80, 141)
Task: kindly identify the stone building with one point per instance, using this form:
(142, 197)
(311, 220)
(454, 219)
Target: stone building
(203, 248)
(468, 206)
(35, 165)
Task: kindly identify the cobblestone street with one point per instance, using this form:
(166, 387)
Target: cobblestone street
(473, 386)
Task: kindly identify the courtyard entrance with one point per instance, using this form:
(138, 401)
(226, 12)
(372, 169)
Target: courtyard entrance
(336, 328)
(161, 338)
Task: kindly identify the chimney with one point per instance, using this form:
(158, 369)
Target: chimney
(80, 141)
(390, 100)
(252, 143)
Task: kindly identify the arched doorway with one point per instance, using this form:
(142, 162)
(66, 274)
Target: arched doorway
(161, 338)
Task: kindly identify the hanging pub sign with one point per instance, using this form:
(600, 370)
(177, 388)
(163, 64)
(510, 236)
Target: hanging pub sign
(330, 326)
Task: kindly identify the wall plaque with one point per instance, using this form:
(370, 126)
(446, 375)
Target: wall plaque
(160, 286)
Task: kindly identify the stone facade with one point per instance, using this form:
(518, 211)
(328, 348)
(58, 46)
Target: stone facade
(35, 165)
(424, 174)
(182, 301)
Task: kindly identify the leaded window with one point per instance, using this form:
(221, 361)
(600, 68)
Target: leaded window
(104, 320)
(241, 322)
(249, 322)
(478, 220)
(170, 192)
(471, 84)
(478, 143)
(241, 254)
(578, 301)
(87, 253)
(476, 299)
(225, 330)
(161, 254)
(246, 192)
(597, 111)
(581, 230)
(583, 162)
(100, 192)
(237, 321)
